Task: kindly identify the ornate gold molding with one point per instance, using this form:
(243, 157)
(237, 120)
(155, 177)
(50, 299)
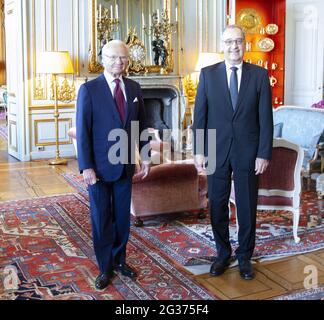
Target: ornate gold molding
(190, 88)
(39, 89)
(51, 106)
(65, 91)
(166, 31)
(94, 65)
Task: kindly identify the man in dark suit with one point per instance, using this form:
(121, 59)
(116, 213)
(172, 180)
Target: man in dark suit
(234, 98)
(105, 105)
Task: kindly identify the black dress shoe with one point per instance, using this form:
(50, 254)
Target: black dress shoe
(102, 280)
(125, 270)
(246, 270)
(218, 267)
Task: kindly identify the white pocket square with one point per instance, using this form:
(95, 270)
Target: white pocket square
(135, 100)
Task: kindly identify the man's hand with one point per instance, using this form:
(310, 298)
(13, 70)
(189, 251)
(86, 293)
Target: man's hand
(200, 163)
(89, 177)
(143, 171)
(261, 165)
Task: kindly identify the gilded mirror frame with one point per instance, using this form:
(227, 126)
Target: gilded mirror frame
(94, 65)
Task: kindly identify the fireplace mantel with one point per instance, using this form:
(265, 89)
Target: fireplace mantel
(172, 82)
(157, 81)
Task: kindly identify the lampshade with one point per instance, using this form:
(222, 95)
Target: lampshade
(54, 62)
(208, 58)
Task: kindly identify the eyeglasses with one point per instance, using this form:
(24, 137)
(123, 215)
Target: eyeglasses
(229, 42)
(115, 58)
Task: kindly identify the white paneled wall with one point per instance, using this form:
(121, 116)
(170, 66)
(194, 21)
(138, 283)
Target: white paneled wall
(203, 23)
(38, 25)
(53, 25)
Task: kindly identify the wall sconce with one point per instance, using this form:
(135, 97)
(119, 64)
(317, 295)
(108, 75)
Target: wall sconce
(65, 91)
(55, 63)
(107, 23)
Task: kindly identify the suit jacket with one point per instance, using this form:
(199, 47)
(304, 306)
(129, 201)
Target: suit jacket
(248, 129)
(97, 116)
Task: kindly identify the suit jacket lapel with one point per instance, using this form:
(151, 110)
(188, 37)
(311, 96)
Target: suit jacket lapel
(109, 99)
(244, 84)
(129, 103)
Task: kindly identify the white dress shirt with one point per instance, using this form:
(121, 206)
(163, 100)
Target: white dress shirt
(110, 80)
(229, 72)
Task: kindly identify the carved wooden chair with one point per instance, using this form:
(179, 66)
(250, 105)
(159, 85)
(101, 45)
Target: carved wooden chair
(280, 185)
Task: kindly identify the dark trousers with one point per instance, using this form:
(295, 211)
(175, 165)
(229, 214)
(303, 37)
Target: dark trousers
(110, 217)
(246, 192)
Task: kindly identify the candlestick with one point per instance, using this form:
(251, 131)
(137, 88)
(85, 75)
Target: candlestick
(143, 21)
(176, 14)
(117, 11)
(111, 12)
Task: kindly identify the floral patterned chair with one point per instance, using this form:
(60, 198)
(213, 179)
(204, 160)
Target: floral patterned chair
(280, 185)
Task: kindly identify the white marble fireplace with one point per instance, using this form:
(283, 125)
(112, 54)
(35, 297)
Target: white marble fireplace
(168, 91)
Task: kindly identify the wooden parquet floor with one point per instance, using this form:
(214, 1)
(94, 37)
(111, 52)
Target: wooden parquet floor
(20, 180)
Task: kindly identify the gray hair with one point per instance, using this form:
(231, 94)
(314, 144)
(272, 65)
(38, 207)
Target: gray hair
(234, 26)
(114, 43)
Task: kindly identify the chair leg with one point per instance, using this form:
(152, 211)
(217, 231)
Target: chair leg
(309, 183)
(237, 224)
(235, 212)
(229, 209)
(295, 225)
(138, 222)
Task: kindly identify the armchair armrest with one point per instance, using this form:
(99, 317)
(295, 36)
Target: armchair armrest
(171, 171)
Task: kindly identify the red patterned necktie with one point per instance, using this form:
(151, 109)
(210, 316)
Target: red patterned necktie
(119, 100)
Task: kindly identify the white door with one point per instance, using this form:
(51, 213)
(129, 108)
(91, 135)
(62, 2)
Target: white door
(15, 72)
(304, 52)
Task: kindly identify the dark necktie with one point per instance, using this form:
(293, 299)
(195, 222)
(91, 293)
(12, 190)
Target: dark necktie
(234, 87)
(119, 100)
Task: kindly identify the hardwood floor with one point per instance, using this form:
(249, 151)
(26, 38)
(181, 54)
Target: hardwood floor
(20, 180)
(272, 279)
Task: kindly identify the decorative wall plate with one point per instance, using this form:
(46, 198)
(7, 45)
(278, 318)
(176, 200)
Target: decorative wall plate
(271, 28)
(266, 44)
(249, 20)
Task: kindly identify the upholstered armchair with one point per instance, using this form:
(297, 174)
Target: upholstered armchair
(280, 185)
(304, 127)
(169, 187)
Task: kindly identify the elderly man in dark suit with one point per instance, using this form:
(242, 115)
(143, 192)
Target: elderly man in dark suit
(234, 98)
(106, 108)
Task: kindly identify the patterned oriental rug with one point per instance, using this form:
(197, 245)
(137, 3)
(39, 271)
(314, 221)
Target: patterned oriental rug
(310, 294)
(189, 241)
(2, 115)
(46, 252)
